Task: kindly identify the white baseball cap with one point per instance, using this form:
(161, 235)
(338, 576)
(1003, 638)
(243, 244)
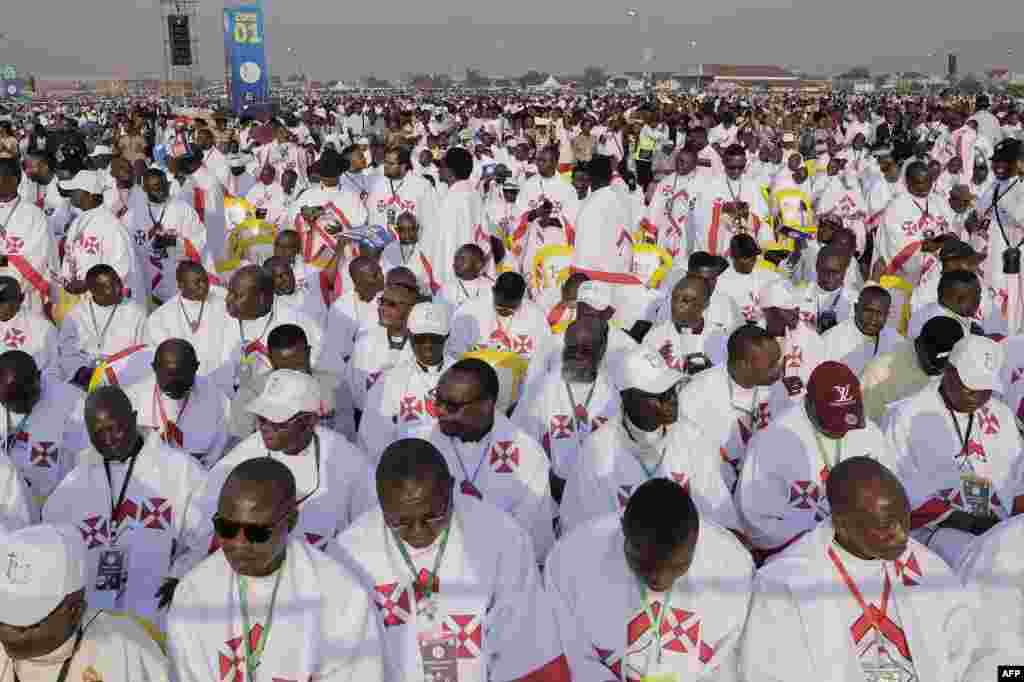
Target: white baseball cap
(41, 566)
(643, 369)
(429, 318)
(85, 180)
(286, 394)
(101, 150)
(978, 360)
(777, 295)
(597, 295)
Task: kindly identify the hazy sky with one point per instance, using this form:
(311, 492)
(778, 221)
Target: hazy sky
(344, 39)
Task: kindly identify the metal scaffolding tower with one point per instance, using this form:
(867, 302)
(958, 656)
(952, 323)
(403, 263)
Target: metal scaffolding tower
(179, 26)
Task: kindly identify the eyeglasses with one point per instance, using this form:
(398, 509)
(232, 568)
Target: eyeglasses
(432, 521)
(279, 426)
(449, 406)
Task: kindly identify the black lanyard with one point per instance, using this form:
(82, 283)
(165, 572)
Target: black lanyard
(67, 663)
(959, 433)
(114, 524)
(996, 198)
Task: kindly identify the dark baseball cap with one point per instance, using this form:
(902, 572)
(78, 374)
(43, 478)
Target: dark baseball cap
(938, 336)
(834, 390)
(955, 248)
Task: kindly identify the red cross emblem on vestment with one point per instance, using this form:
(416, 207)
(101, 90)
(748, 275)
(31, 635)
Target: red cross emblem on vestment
(316, 540)
(875, 618)
(504, 457)
(14, 245)
(14, 338)
(410, 408)
(156, 513)
(392, 600)
(561, 427)
(683, 479)
(43, 454)
(91, 245)
(522, 344)
(808, 496)
(989, 422)
(680, 633)
(468, 634)
(232, 663)
(94, 531)
(610, 660)
(909, 570)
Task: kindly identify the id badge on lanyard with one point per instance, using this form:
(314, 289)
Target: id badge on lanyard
(977, 494)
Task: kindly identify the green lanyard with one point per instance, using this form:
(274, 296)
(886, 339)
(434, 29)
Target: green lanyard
(428, 589)
(655, 622)
(253, 656)
(821, 449)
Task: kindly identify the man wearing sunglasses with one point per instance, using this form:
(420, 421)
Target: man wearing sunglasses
(648, 441)
(453, 577)
(332, 475)
(131, 499)
(661, 594)
(268, 604)
(494, 460)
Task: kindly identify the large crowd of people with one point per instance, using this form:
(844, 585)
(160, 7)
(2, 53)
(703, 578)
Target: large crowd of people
(493, 387)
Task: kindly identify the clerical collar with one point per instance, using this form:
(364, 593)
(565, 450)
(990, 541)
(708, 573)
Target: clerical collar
(427, 369)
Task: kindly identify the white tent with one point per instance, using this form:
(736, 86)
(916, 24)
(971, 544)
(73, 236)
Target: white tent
(550, 84)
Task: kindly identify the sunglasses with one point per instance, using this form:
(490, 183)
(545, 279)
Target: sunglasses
(256, 533)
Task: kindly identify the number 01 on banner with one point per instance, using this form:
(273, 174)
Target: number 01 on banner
(247, 29)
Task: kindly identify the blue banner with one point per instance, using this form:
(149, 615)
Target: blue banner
(244, 53)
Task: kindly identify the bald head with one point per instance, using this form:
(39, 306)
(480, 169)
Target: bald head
(263, 480)
(177, 350)
(853, 480)
(411, 459)
(109, 398)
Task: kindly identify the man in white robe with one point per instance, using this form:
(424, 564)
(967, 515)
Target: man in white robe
(267, 599)
(407, 251)
(865, 336)
(186, 412)
(268, 197)
(204, 193)
(489, 456)
(131, 500)
(723, 312)
(403, 192)
(451, 597)
(674, 199)
(190, 314)
(401, 402)
(909, 224)
(958, 451)
(250, 308)
(824, 303)
(504, 321)
(999, 221)
(572, 401)
(962, 297)
(24, 329)
(42, 191)
(729, 204)
(743, 282)
(380, 347)
(782, 490)
(857, 598)
(59, 635)
(323, 212)
(648, 441)
(686, 619)
(104, 324)
(460, 216)
(42, 432)
(732, 401)
(992, 567)
(331, 474)
(27, 252)
(97, 237)
(471, 279)
(354, 310)
(604, 250)
(545, 212)
(686, 341)
(307, 301)
(166, 231)
(802, 347)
